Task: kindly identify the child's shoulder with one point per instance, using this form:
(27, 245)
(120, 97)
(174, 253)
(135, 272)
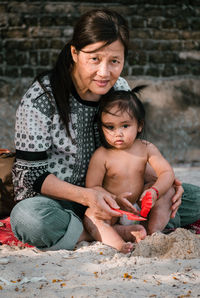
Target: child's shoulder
(100, 155)
(141, 142)
(144, 144)
(100, 151)
(150, 147)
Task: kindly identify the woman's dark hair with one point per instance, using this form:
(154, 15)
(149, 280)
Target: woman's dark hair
(126, 101)
(93, 26)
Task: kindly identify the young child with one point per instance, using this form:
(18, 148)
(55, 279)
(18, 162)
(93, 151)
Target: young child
(118, 167)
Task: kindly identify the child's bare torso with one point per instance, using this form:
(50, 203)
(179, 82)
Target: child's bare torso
(125, 170)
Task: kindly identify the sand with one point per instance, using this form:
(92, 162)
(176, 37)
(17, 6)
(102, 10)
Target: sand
(160, 266)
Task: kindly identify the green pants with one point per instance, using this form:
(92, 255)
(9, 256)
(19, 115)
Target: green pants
(189, 211)
(53, 224)
(46, 223)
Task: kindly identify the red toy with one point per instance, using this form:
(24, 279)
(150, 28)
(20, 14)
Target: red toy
(146, 204)
(130, 216)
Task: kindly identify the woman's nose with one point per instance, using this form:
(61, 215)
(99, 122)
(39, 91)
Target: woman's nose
(103, 69)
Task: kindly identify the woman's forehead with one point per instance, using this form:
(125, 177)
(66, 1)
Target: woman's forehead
(116, 48)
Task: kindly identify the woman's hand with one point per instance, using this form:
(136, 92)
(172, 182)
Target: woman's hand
(176, 199)
(124, 203)
(100, 202)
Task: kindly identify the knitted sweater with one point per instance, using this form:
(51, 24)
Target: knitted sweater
(42, 145)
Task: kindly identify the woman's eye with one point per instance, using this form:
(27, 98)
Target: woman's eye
(114, 61)
(94, 59)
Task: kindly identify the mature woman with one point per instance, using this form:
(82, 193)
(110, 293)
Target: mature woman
(56, 134)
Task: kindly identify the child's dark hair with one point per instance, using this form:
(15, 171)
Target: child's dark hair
(127, 101)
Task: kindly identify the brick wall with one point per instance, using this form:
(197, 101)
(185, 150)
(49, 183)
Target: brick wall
(165, 36)
(164, 53)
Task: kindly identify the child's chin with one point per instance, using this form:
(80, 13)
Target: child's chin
(120, 146)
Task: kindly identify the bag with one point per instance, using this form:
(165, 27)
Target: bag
(6, 186)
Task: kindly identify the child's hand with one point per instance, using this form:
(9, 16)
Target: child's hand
(124, 203)
(148, 199)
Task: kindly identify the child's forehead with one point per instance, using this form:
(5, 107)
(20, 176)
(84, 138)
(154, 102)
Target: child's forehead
(115, 112)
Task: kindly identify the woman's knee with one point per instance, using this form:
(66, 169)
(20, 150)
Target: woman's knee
(39, 221)
(23, 213)
(33, 211)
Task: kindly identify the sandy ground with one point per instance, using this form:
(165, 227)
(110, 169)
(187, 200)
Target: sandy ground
(160, 266)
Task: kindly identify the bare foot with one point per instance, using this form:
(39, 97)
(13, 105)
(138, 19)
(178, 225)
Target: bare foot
(133, 233)
(127, 247)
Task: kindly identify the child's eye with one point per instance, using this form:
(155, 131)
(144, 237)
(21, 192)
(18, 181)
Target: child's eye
(109, 127)
(125, 125)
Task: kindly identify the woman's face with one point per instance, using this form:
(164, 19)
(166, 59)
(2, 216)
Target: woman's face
(97, 68)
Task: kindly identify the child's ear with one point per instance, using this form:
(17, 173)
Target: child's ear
(140, 127)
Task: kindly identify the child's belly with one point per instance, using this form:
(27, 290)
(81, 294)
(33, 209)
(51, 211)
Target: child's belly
(119, 185)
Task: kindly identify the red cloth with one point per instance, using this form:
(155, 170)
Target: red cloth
(194, 226)
(7, 236)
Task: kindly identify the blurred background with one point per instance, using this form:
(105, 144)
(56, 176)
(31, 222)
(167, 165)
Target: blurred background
(164, 54)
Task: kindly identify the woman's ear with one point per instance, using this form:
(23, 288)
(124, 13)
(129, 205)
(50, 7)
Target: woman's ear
(74, 53)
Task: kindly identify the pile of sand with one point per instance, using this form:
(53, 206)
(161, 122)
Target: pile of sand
(181, 244)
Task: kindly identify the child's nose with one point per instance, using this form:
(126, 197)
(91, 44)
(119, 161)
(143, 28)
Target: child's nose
(119, 132)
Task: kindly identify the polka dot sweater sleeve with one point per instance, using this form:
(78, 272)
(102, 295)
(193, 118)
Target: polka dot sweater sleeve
(121, 84)
(32, 140)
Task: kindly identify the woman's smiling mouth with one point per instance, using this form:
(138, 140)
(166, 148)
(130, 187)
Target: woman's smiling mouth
(101, 83)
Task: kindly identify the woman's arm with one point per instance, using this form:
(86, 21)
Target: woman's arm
(99, 201)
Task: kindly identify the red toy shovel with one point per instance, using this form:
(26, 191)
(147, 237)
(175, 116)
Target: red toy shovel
(130, 216)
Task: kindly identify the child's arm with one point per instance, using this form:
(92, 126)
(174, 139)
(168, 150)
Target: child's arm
(164, 171)
(96, 170)
(94, 180)
(164, 181)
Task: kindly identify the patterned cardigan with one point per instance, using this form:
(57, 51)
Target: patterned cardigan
(42, 145)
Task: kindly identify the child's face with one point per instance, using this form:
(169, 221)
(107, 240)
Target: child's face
(120, 130)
